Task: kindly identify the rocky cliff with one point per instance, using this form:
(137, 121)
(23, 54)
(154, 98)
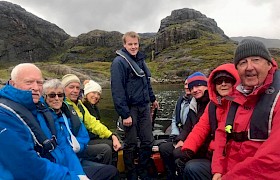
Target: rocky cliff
(184, 25)
(25, 37)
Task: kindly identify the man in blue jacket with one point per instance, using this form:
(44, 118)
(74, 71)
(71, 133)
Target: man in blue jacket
(19, 138)
(132, 94)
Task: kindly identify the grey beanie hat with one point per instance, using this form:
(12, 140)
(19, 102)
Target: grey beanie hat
(250, 47)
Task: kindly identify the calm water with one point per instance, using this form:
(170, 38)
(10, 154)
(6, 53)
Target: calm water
(167, 96)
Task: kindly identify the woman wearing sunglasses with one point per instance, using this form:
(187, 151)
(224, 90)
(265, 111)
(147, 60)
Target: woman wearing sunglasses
(67, 122)
(221, 82)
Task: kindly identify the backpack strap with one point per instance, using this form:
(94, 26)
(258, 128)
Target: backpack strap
(212, 118)
(43, 145)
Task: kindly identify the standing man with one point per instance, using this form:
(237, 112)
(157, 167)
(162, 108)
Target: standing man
(132, 94)
(247, 145)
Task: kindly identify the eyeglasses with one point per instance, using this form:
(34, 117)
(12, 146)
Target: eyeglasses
(220, 81)
(53, 95)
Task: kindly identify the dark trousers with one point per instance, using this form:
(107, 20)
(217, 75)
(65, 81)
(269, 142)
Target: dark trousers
(97, 152)
(114, 154)
(169, 154)
(99, 171)
(142, 128)
(198, 169)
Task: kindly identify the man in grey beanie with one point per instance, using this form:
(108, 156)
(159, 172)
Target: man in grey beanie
(247, 147)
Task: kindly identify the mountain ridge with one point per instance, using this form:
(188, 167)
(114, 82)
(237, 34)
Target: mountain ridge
(187, 41)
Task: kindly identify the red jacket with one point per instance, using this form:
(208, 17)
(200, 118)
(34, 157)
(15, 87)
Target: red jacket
(249, 159)
(202, 129)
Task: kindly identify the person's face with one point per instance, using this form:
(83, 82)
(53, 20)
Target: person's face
(93, 97)
(54, 98)
(186, 87)
(223, 86)
(131, 45)
(30, 78)
(198, 91)
(253, 71)
(72, 91)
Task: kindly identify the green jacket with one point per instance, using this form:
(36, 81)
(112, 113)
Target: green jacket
(94, 126)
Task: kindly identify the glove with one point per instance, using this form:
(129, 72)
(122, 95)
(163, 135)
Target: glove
(187, 155)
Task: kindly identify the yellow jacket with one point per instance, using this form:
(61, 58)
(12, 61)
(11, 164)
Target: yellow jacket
(94, 126)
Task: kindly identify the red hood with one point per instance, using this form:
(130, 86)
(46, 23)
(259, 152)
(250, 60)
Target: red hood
(230, 68)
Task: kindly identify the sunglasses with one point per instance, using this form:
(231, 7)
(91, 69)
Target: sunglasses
(226, 80)
(53, 95)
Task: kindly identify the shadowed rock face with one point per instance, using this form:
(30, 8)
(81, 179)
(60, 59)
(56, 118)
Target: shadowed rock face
(25, 37)
(183, 25)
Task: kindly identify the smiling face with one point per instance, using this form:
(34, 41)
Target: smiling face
(72, 91)
(54, 97)
(198, 91)
(93, 97)
(131, 45)
(224, 86)
(253, 71)
(29, 78)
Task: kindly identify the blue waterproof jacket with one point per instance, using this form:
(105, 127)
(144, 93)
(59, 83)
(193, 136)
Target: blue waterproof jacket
(128, 89)
(17, 144)
(82, 136)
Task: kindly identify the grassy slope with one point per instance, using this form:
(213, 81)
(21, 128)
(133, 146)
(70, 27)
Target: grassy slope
(176, 61)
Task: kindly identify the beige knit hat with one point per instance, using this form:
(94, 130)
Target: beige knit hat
(69, 78)
(92, 86)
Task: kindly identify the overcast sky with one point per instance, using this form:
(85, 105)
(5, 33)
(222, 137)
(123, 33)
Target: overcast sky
(235, 17)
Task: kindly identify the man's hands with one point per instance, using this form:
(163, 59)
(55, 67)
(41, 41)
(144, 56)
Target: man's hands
(155, 105)
(179, 144)
(127, 122)
(116, 143)
(217, 176)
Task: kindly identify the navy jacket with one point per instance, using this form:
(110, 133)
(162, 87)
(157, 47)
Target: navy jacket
(128, 89)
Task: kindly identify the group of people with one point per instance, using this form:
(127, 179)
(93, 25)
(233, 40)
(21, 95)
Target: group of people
(223, 127)
(234, 136)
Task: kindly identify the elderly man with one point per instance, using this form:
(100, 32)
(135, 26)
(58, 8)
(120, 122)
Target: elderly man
(30, 147)
(103, 142)
(248, 143)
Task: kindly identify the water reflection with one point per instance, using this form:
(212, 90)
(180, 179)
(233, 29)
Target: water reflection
(167, 96)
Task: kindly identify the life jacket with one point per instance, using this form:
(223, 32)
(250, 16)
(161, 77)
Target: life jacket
(178, 119)
(134, 66)
(261, 118)
(92, 136)
(43, 144)
(73, 116)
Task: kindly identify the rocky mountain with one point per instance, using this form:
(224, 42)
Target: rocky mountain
(269, 43)
(186, 41)
(25, 37)
(184, 25)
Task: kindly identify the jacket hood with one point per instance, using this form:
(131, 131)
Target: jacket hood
(22, 97)
(229, 68)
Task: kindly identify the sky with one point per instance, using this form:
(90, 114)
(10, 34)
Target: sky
(235, 17)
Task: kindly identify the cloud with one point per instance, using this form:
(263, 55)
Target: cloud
(236, 18)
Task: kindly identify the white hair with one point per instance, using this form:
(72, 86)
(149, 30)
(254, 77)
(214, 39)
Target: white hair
(16, 70)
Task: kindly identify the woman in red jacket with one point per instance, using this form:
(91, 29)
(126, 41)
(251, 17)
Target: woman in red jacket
(220, 84)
